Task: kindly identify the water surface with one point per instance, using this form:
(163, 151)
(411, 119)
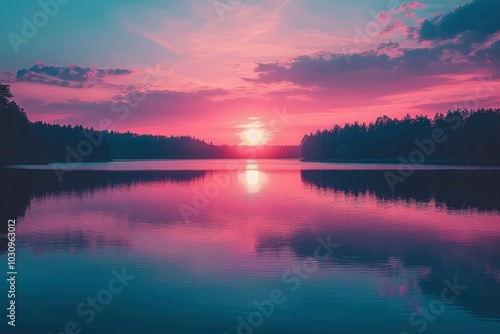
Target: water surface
(207, 243)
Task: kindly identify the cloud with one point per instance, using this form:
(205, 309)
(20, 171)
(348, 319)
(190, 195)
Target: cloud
(490, 55)
(478, 19)
(67, 76)
(317, 70)
(393, 73)
(355, 70)
(393, 26)
(138, 107)
(405, 7)
(461, 43)
(389, 46)
(387, 70)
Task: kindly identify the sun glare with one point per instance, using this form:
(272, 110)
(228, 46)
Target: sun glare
(254, 137)
(252, 178)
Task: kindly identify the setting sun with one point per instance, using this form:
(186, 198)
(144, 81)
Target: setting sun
(236, 166)
(254, 137)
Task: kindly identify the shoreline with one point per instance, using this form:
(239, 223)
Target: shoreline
(395, 162)
(451, 162)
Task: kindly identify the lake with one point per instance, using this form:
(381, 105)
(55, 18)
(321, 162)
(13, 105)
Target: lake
(252, 246)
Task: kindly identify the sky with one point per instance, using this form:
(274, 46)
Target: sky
(220, 70)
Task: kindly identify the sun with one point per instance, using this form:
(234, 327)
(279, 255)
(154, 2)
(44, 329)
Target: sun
(254, 137)
(254, 133)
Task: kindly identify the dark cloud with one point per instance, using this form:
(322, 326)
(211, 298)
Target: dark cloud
(479, 19)
(355, 70)
(388, 46)
(392, 27)
(67, 76)
(490, 55)
(461, 43)
(388, 69)
(310, 71)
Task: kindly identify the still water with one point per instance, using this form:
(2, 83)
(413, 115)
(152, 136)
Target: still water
(264, 246)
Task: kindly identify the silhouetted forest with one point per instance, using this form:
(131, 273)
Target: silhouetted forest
(459, 135)
(22, 141)
(134, 146)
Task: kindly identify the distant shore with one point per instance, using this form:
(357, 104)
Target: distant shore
(395, 161)
(41, 162)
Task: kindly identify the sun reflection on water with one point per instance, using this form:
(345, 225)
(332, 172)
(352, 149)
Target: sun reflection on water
(252, 178)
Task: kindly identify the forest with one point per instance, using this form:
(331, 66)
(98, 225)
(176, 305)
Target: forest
(457, 136)
(22, 141)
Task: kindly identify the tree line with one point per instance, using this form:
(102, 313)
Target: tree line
(22, 141)
(134, 146)
(460, 135)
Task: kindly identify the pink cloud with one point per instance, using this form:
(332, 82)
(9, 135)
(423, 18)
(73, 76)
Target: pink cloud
(211, 83)
(409, 15)
(384, 16)
(7, 77)
(393, 26)
(410, 6)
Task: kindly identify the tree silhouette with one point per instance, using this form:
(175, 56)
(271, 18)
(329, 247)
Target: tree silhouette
(15, 133)
(25, 142)
(465, 135)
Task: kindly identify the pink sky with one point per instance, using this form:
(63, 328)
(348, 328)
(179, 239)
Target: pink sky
(191, 70)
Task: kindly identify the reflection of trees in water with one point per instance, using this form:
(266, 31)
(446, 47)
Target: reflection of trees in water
(71, 241)
(457, 189)
(475, 264)
(19, 187)
(15, 196)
